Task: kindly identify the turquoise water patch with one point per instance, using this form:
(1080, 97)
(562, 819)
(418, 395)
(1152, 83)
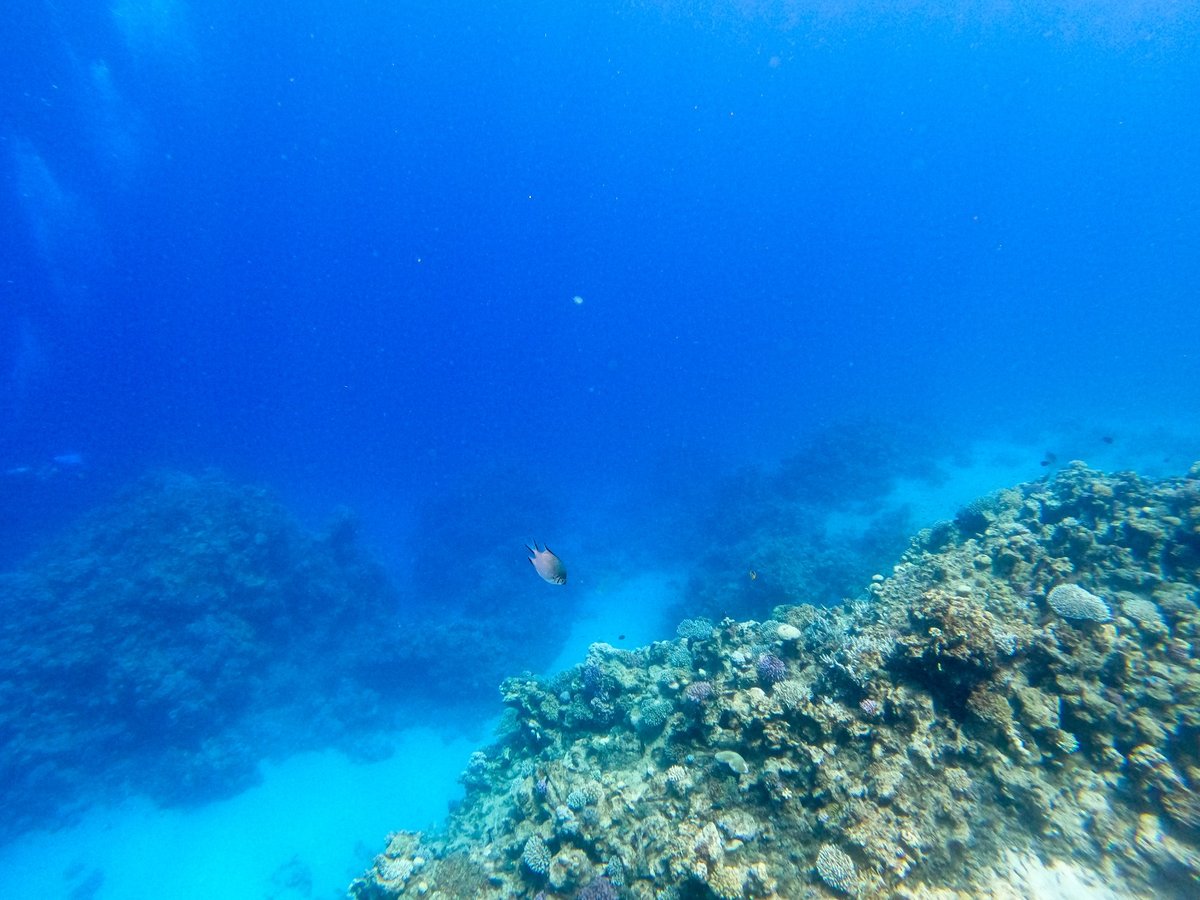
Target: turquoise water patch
(314, 823)
(626, 612)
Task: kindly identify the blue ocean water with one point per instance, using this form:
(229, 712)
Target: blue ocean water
(493, 273)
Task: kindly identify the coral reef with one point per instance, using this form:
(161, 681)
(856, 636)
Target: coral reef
(951, 733)
(1072, 602)
(813, 529)
(179, 634)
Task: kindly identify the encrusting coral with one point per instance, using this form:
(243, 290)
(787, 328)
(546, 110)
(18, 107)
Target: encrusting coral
(935, 738)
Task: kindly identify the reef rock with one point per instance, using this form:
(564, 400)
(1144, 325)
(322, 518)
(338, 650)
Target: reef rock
(177, 635)
(951, 733)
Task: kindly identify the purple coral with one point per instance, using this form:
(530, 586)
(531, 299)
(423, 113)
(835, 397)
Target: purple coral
(698, 692)
(771, 669)
(593, 678)
(600, 888)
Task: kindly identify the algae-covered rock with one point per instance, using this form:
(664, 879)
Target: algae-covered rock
(963, 729)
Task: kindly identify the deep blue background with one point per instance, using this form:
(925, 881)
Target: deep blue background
(334, 246)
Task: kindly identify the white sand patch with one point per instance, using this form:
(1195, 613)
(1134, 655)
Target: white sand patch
(634, 607)
(314, 823)
(1028, 878)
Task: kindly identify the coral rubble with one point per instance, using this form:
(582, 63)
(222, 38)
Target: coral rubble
(953, 731)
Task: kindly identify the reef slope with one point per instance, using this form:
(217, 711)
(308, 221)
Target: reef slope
(1019, 701)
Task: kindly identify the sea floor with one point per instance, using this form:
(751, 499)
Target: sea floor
(306, 831)
(316, 820)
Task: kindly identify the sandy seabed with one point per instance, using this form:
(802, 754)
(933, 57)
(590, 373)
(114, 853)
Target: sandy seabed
(309, 827)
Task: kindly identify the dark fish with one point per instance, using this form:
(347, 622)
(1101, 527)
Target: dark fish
(548, 565)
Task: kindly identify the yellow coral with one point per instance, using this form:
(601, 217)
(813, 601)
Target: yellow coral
(725, 882)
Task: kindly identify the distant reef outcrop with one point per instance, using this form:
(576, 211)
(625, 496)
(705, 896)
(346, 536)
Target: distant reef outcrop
(189, 628)
(1015, 705)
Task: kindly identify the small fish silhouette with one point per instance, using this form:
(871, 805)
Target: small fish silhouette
(548, 565)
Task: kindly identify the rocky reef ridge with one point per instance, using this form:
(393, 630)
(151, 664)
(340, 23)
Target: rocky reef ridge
(1018, 702)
